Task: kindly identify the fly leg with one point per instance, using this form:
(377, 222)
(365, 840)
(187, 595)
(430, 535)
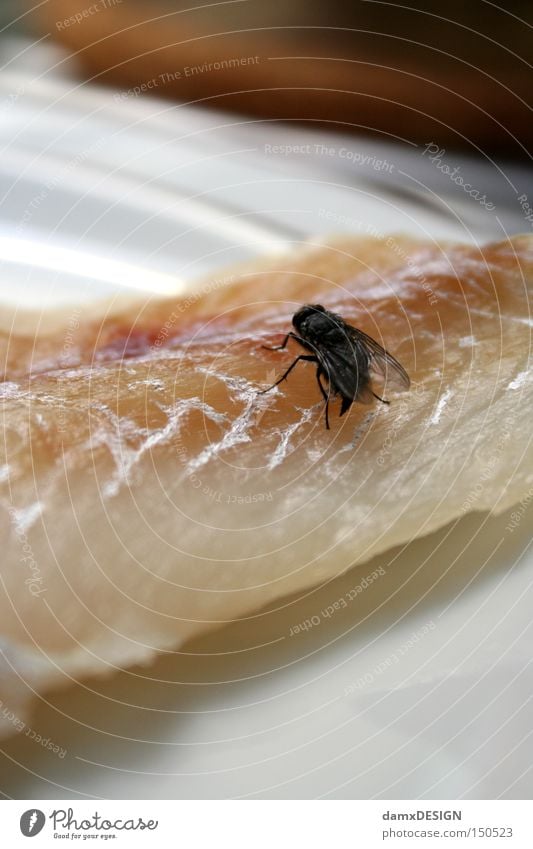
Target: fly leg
(283, 344)
(308, 359)
(325, 395)
(383, 401)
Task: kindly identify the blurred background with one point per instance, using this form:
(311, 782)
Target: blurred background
(457, 74)
(167, 140)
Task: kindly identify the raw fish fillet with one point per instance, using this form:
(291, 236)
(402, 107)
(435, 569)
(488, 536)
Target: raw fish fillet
(149, 493)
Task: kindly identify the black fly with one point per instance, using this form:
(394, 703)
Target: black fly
(344, 356)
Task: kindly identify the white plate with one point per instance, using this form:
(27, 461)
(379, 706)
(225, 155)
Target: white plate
(421, 688)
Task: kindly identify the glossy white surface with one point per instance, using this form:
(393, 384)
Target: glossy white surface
(99, 192)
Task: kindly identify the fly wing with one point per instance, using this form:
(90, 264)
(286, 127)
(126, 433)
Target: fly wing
(380, 361)
(343, 369)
